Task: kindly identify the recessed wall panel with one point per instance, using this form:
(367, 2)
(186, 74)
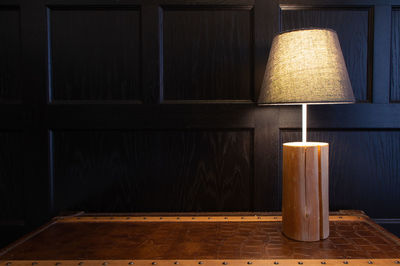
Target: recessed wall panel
(364, 169)
(130, 171)
(9, 54)
(207, 53)
(351, 26)
(11, 179)
(395, 57)
(95, 54)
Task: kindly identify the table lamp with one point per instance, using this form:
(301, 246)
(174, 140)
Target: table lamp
(306, 66)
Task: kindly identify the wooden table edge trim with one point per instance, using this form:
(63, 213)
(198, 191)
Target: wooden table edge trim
(196, 214)
(257, 218)
(385, 232)
(394, 261)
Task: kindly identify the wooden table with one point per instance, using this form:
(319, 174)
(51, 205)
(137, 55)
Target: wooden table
(199, 239)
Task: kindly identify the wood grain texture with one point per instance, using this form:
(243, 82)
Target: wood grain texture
(395, 57)
(9, 54)
(207, 53)
(153, 170)
(351, 26)
(382, 16)
(11, 176)
(305, 208)
(364, 169)
(323, 164)
(95, 53)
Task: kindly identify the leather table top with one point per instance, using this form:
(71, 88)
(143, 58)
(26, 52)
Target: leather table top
(233, 237)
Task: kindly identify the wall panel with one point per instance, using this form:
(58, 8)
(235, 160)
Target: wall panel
(10, 54)
(208, 53)
(119, 171)
(352, 26)
(395, 57)
(364, 170)
(95, 53)
(11, 176)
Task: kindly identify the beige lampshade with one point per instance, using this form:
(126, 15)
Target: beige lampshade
(306, 66)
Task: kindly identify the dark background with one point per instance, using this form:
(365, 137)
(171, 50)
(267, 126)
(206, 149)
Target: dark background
(150, 106)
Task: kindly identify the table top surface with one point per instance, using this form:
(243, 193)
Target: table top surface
(194, 239)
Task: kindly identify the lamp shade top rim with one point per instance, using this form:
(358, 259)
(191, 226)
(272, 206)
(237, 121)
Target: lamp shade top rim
(305, 29)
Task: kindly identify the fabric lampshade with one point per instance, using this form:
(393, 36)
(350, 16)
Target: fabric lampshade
(306, 66)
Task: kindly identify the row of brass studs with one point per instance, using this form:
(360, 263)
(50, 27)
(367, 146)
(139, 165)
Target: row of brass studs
(200, 262)
(177, 218)
(145, 218)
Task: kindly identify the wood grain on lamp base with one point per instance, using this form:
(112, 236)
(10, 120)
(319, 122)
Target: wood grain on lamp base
(305, 201)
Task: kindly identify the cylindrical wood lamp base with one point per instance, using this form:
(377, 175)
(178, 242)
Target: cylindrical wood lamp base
(305, 199)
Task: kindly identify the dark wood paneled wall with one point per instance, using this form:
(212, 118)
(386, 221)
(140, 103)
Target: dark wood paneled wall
(208, 53)
(138, 105)
(395, 57)
(94, 53)
(120, 171)
(10, 49)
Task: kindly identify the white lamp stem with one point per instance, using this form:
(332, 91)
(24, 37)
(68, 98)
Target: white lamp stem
(304, 122)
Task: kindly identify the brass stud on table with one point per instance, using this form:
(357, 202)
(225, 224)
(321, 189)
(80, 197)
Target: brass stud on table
(323, 262)
(176, 262)
(300, 262)
(225, 263)
(276, 263)
(154, 263)
(200, 262)
(131, 263)
(249, 262)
